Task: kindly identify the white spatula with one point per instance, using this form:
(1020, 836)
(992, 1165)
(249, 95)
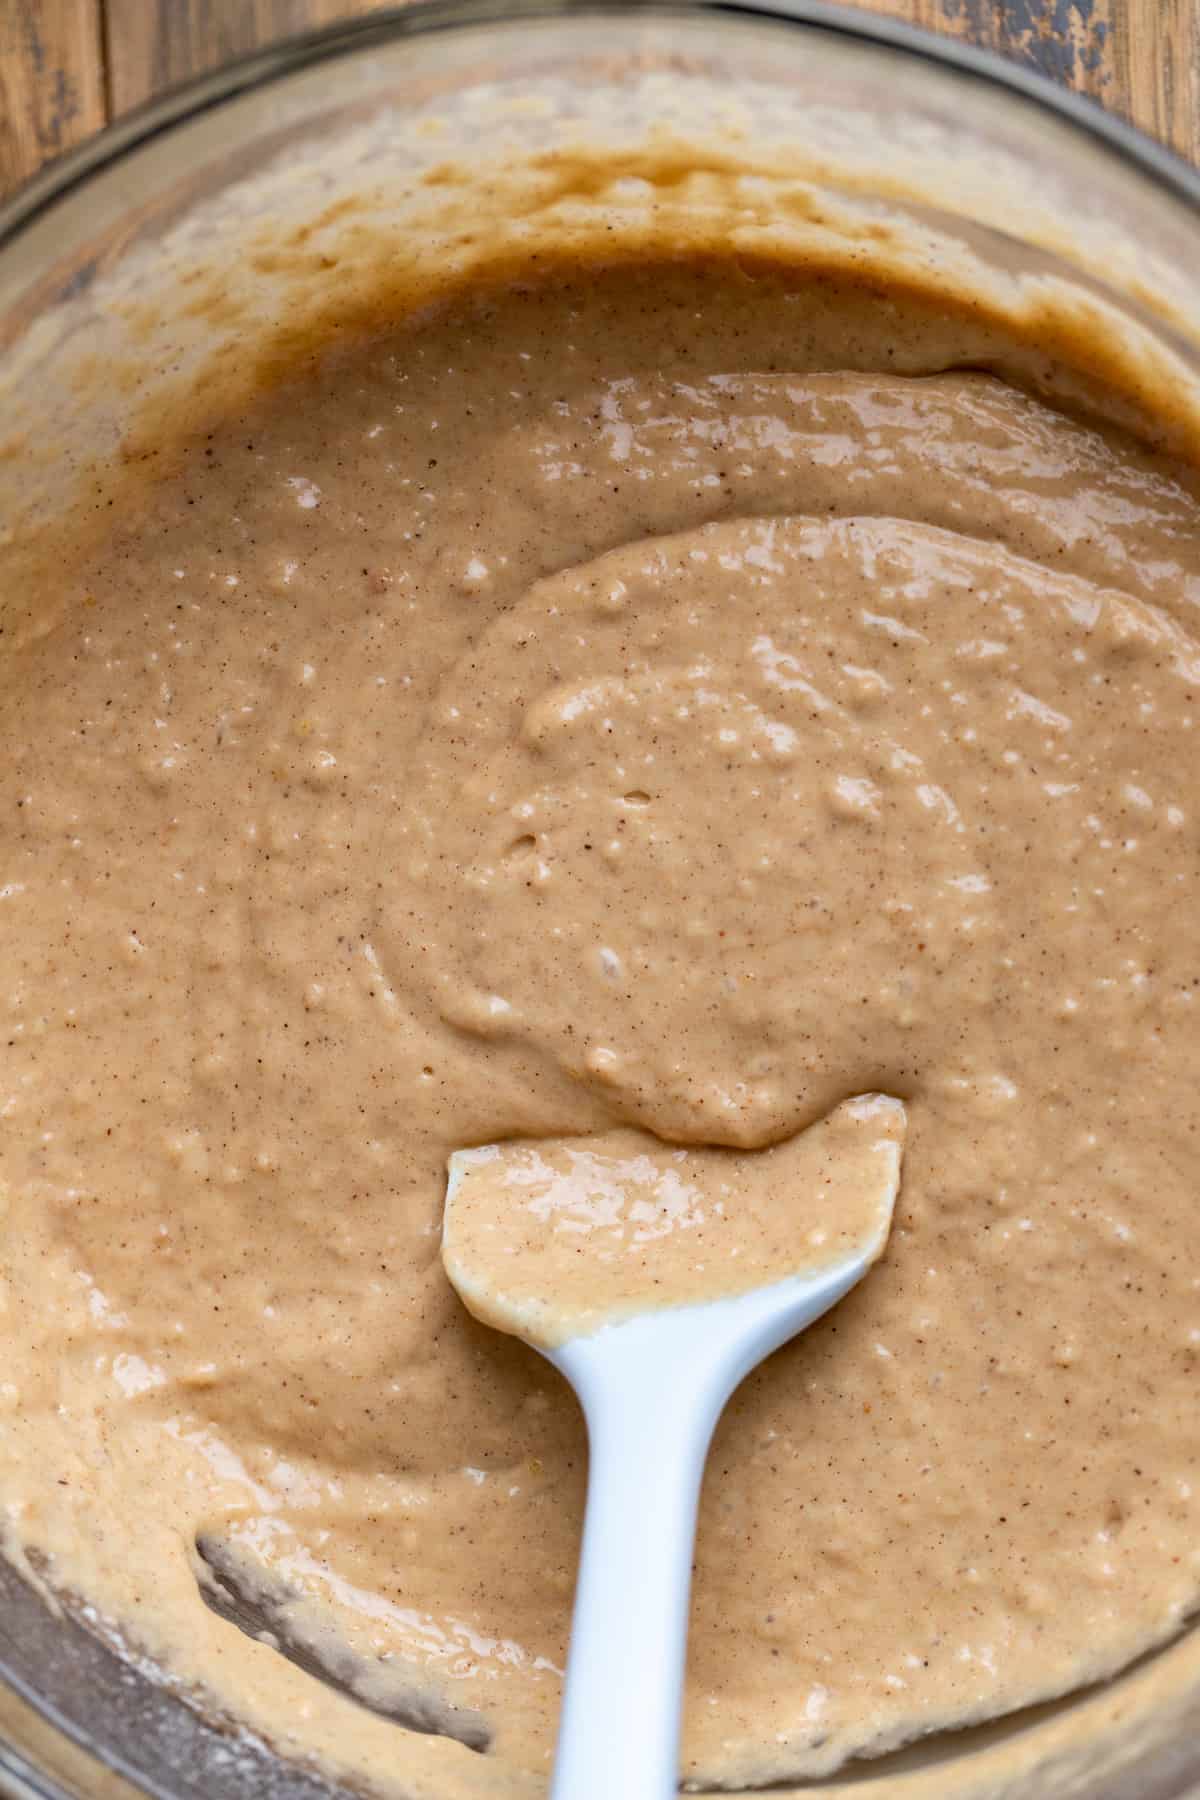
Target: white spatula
(594, 1252)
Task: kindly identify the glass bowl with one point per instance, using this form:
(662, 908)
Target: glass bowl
(147, 271)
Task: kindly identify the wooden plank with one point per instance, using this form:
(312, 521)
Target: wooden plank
(1156, 63)
(1141, 58)
(153, 44)
(51, 81)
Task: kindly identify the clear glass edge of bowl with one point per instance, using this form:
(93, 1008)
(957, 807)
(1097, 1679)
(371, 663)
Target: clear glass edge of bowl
(20, 1780)
(42, 190)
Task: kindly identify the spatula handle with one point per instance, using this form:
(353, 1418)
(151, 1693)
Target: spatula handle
(652, 1390)
(648, 1431)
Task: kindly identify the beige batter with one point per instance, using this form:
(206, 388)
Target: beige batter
(557, 1238)
(581, 710)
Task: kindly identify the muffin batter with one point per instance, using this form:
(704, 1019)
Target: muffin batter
(580, 709)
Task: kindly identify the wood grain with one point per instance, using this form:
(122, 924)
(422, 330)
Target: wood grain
(1156, 62)
(51, 81)
(1140, 58)
(67, 64)
(152, 44)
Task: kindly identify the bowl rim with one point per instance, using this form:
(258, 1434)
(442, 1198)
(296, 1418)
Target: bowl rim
(44, 189)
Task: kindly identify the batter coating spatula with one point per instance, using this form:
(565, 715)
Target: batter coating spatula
(582, 1248)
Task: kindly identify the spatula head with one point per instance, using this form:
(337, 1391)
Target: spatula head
(555, 1238)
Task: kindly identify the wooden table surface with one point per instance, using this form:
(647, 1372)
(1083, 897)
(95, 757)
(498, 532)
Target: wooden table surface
(66, 66)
